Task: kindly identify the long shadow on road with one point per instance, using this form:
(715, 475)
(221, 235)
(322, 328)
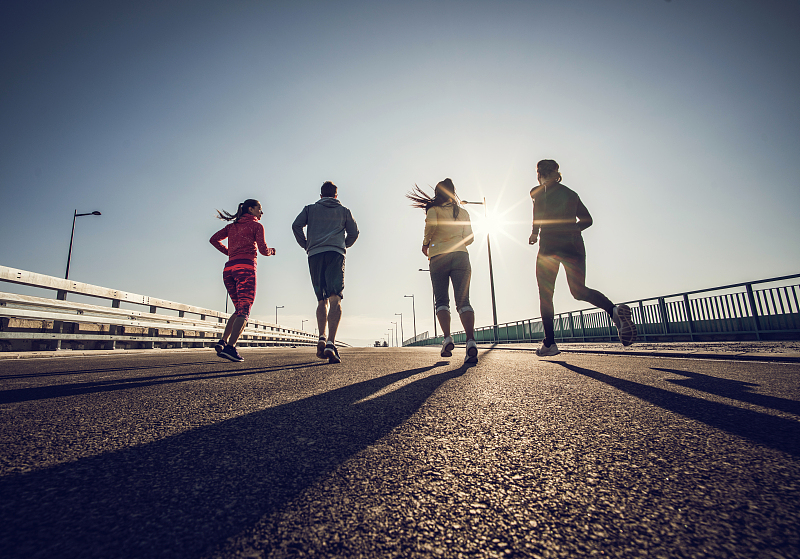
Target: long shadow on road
(733, 389)
(776, 432)
(72, 389)
(186, 494)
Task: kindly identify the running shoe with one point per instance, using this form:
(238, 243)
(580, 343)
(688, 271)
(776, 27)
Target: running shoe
(626, 329)
(332, 353)
(447, 347)
(545, 351)
(321, 348)
(472, 352)
(229, 352)
(219, 346)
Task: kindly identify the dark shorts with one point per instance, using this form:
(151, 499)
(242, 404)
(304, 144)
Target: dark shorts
(239, 277)
(327, 274)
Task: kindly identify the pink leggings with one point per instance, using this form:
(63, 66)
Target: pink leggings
(239, 277)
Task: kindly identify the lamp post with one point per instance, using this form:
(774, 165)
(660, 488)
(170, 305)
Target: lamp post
(395, 334)
(389, 335)
(62, 295)
(402, 336)
(491, 272)
(414, 314)
(276, 313)
(435, 335)
(302, 322)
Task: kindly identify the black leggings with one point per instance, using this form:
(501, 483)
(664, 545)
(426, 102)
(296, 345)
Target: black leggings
(575, 266)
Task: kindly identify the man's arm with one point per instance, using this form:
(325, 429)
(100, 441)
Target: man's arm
(350, 230)
(297, 228)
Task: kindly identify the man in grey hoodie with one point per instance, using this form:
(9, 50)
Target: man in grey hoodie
(331, 231)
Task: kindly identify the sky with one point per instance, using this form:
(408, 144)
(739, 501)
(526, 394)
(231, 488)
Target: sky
(676, 122)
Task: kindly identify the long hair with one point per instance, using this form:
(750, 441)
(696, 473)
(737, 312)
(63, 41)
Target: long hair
(243, 209)
(444, 193)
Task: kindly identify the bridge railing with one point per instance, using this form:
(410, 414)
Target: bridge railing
(38, 323)
(766, 309)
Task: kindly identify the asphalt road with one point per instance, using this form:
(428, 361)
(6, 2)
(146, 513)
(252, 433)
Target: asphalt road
(398, 453)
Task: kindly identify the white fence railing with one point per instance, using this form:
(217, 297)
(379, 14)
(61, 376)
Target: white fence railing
(38, 323)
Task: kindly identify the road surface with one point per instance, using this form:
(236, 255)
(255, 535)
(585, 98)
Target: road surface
(397, 452)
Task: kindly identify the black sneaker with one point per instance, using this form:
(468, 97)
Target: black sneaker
(229, 352)
(332, 353)
(219, 346)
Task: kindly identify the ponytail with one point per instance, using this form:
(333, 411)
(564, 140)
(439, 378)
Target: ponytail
(445, 192)
(243, 209)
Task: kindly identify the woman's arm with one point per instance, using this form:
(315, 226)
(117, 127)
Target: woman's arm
(584, 219)
(467, 233)
(261, 243)
(217, 237)
(431, 223)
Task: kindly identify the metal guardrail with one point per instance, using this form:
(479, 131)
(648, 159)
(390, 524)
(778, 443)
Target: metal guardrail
(738, 311)
(28, 322)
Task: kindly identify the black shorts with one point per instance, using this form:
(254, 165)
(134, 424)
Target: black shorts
(569, 246)
(327, 274)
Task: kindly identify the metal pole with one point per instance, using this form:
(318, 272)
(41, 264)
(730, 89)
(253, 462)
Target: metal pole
(395, 334)
(276, 313)
(435, 335)
(491, 274)
(71, 237)
(491, 284)
(61, 294)
(414, 313)
(402, 336)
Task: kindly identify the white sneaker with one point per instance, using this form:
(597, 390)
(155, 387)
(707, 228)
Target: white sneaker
(545, 351)
(626, 329)
(447, 347)
(472, 352)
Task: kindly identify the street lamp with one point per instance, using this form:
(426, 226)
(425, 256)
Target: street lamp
(276, 313)
(414, 313)
(62, 295)
(302, 322)
(395, 334)
(491, 273)
(435, 335)
(402, 341)
(388, 334)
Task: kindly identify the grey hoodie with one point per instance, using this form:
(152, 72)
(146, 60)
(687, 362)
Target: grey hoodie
(331, 227)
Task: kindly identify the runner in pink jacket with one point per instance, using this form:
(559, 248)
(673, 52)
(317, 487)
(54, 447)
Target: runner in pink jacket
(245, 237)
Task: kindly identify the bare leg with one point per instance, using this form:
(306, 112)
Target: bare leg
(444, 322)
(234, 329)
(546, 272)
(334, 315)
(322, 316)
(468, 322)
(576, 279)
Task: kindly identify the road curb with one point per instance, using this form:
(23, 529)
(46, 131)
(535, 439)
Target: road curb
(677, 354)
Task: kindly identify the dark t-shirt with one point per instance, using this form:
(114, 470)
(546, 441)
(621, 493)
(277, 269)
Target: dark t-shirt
(559, 216)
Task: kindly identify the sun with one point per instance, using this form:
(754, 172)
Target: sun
(491, 224)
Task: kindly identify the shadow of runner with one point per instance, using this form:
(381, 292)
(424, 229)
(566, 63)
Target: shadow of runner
(16, 395)
(776, 432)
(180, 496)
(733, 389)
